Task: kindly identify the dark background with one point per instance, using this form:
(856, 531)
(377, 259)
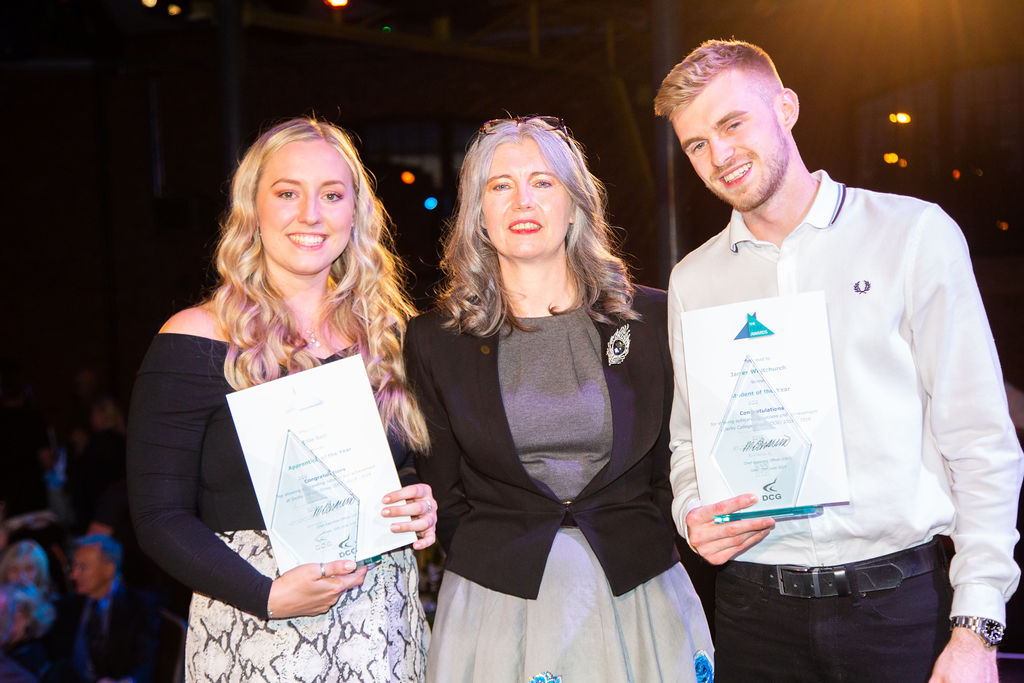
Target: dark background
(121, 125)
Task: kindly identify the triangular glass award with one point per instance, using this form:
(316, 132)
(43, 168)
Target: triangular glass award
(761, 449)
(315, 514)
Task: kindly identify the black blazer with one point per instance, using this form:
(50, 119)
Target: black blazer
(132, 636)
(495, 522)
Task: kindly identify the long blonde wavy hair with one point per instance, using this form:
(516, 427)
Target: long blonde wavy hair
(365, 300)
(473, 294)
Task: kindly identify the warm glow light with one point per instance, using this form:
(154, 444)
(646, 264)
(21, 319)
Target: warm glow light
(173, 10)
(408, 177)
(903, 163)
(1003, 225)
(149, 3)
(900, 117)
(335, 3)
(890, 157)
(956, 174)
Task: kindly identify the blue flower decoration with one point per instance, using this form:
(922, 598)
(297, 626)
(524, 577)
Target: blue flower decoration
(546, 677)
(702, 665)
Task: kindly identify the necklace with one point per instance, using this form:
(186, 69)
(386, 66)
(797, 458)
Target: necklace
(312, 340)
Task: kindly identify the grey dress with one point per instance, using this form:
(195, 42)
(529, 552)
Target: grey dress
(559, 414)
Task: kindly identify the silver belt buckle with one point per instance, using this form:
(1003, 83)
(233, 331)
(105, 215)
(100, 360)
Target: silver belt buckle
(841, 586)
(796, 568)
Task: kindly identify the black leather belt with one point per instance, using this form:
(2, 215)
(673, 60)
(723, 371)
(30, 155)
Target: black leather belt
(866, 576)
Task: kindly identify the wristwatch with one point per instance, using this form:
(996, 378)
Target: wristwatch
(990, 630)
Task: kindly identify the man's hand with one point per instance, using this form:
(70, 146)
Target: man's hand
(965, 659)
(718, 543)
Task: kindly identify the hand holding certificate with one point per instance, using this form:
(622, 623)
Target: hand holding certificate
(320, 464)
(763, 409)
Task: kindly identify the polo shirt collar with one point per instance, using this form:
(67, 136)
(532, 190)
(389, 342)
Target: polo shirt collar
(825, 209)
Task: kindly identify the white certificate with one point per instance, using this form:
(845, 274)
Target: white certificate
(763, 408)
(320, 463)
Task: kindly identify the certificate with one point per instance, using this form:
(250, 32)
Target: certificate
(320, 463)
(763, 408)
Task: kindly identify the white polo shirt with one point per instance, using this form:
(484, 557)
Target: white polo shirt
(929, 444)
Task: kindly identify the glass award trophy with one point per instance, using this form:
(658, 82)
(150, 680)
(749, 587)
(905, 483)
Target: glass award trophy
(760, 448)
(315, 514)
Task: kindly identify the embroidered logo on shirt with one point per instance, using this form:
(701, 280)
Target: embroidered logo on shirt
(753, 328)
(618, 346)
(862, 286)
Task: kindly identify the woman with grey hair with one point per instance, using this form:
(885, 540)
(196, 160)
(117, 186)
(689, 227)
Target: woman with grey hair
(545, 378)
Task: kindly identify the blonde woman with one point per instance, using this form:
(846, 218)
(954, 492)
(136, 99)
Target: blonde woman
(546, 380)
(306, 276)
(25, 563)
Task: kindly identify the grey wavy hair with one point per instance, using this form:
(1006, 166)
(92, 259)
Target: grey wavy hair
(472, 293)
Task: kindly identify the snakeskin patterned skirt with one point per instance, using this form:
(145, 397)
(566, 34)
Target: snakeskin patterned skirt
(375, 632)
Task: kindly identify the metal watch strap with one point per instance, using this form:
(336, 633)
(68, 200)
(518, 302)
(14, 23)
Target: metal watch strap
(990, 630)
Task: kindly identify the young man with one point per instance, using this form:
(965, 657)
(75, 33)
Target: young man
(861, 591)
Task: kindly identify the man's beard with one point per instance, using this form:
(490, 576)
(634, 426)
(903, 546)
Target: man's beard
(774, 167)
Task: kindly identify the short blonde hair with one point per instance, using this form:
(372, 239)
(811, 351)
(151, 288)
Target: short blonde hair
(688, 78)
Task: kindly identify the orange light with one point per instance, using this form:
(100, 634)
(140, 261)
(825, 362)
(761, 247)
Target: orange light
(1003, 225)
(903, 163)
(890, 157)
(335, 4)
(173, 10)
(899, 117)
(149, 3)
(408, 177)
(956, 174)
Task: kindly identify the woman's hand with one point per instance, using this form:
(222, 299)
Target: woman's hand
(421, 506)
(311, 589)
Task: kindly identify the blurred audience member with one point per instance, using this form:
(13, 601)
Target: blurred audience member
(101, 462)
(12, 624)
(45, 529)
(108, 630)
(25, 615)
(25, 564)
(78, 421)
(24, 446)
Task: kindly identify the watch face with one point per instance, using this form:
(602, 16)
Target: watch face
(992, 631)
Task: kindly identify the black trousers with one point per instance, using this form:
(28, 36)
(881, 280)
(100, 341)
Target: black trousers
(889, 635)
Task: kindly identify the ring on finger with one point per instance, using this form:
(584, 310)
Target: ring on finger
(323, 571)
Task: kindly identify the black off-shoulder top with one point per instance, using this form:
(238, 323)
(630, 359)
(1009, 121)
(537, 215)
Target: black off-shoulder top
(187, 477)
